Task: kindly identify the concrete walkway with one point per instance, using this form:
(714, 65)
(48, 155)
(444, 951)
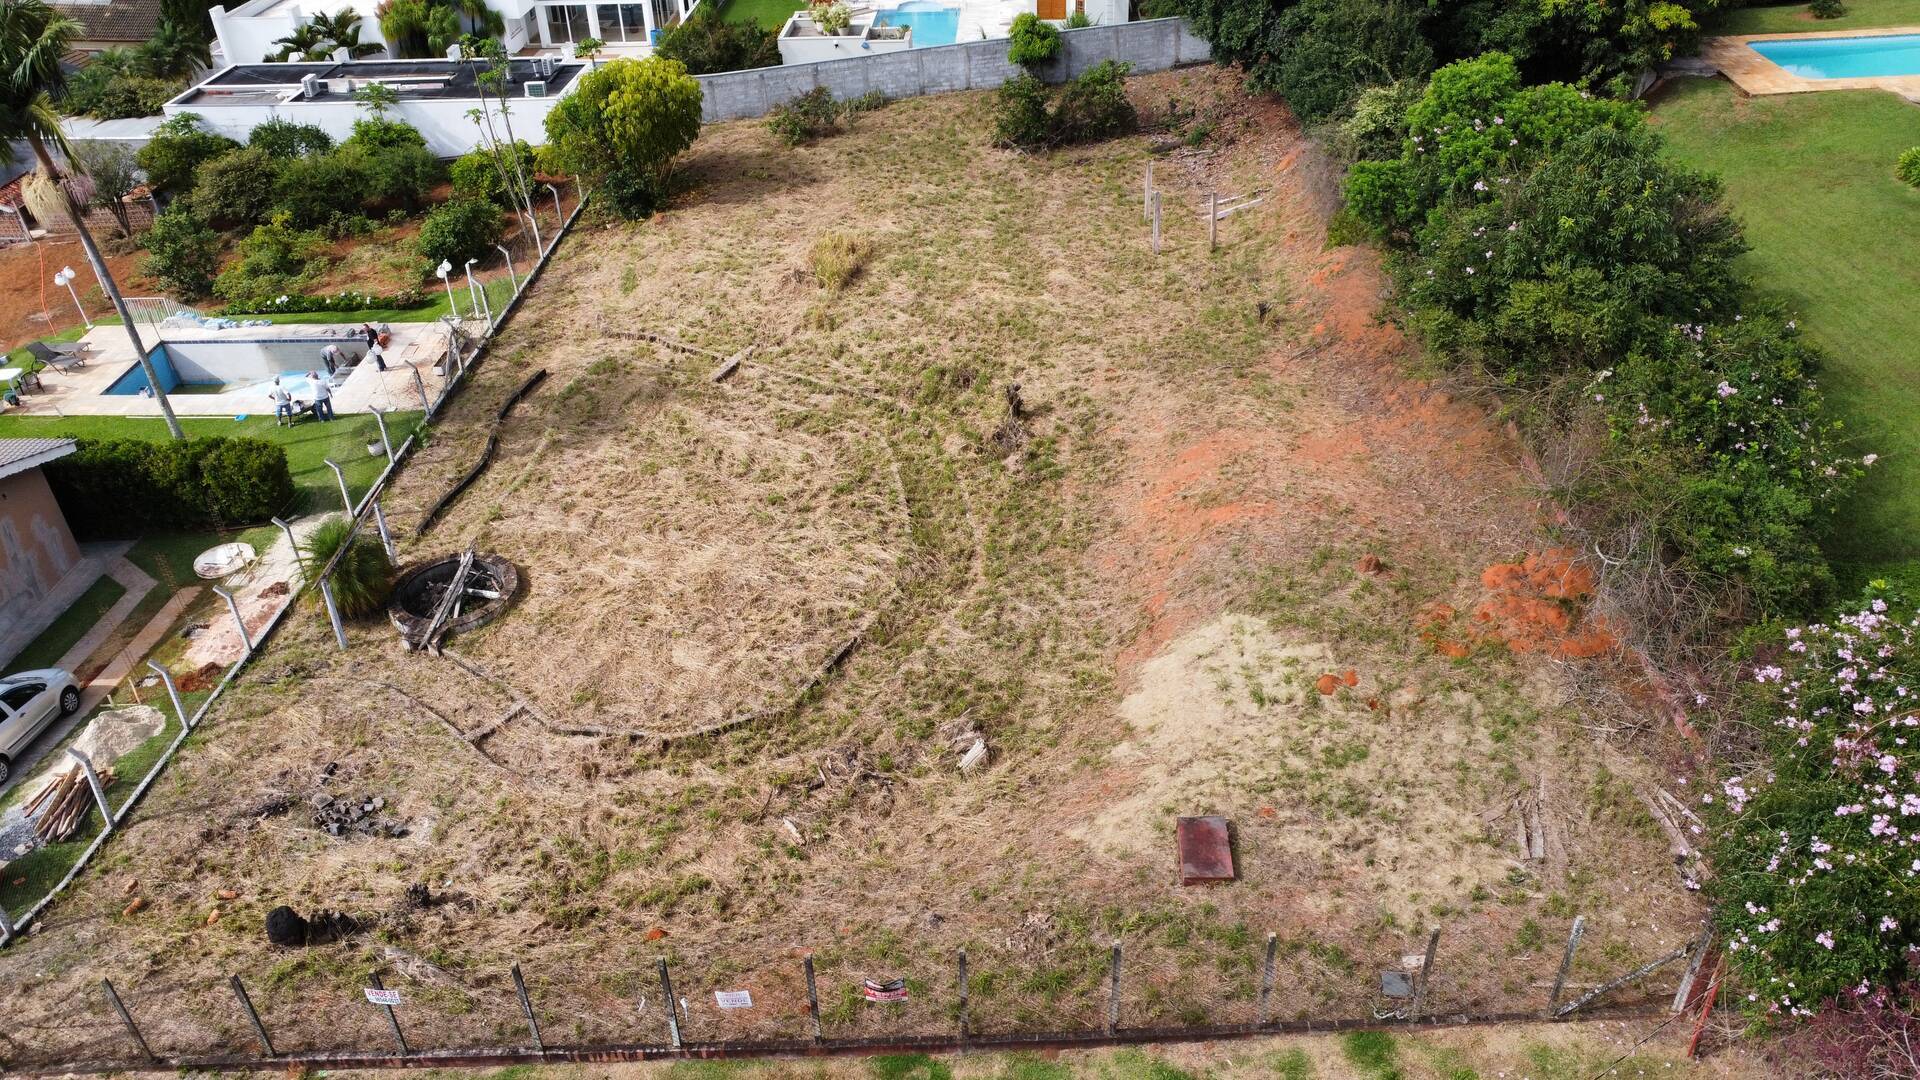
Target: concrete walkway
(138, 585)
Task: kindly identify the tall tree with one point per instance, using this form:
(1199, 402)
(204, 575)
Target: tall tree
(33, 38)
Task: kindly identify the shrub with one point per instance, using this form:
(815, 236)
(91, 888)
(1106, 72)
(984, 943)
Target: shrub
(805, 118)
(318, 189)
(1336, 48)
(1827, 9)
(363, 578)
(393, 176)
(1031, 40)
(1020, 116)
(1812, 855)
(476, 175)
(837, 259)
(1078, 20)
(460, 229)
(182, 253)
(1093, 105)
(379, 133)
(1377, 125)
(286, 139)
(177, 149)
(288, 303)
(127, 487)
(706, 43)
(236, 188)
(1907, 167)
(275, 258)
(100, 92)
(622, 127)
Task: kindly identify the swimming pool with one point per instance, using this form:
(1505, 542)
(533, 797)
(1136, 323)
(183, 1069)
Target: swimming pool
(932, 23)
(232, 364)
(1845, 57)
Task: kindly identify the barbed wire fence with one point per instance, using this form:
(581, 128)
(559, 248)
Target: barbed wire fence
(824, 1002)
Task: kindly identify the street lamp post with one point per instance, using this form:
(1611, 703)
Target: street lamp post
(65, 277)
(445, 268)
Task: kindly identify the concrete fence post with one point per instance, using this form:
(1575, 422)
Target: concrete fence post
(234, 606)
(813, 997)
(346, 500)
(1426, 972)
(1266, 980)
(1113, 990)
(126, 1018)
(1566, 963)
(526, 1007)
(246, 1006)
(93, 781)
(172, 692)
(673, 1009)
(385, 441)
(333, 613)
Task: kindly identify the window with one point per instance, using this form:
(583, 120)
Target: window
(19, 697)
(665, 12)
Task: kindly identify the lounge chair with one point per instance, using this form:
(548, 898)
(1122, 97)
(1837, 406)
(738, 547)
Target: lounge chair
(60, 355)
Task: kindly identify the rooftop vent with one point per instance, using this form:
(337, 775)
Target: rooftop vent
(536, 88)
(309, 87)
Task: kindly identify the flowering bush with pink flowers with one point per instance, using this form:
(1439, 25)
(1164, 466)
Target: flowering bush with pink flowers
(1816, 848)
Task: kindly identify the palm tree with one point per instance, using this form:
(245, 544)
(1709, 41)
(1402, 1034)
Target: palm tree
(342, 28)
(33, 38)
(307, 42)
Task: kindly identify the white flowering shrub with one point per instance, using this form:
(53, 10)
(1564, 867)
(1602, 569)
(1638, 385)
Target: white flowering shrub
(1817, 852)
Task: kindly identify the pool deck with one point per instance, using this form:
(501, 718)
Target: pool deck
(980, 20)
(81, 391)
(1759, 76)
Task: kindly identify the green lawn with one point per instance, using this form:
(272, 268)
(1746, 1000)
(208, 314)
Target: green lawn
(308, 443)
(69, 628)
(771, 14)
(1793, 18)
(1836, 238)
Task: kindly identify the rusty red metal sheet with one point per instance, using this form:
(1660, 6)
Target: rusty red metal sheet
(1206, 850)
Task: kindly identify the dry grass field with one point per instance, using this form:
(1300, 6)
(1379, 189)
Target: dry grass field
(1210, 567)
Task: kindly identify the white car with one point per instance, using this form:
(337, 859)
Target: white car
(29, 701)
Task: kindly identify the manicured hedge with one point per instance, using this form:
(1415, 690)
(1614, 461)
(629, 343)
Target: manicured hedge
(293, 303)
(126, 487)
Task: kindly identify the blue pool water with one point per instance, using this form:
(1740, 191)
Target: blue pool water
(217, 365)
(135, 380)
(1845, 58)
(932, 23)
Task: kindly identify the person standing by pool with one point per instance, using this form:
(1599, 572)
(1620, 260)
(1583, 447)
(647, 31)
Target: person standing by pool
(330, 356)
(282, 402)
(377, 353)
(322, 396)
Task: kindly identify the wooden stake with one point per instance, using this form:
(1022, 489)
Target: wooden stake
(1566, 963)
(1426, 971)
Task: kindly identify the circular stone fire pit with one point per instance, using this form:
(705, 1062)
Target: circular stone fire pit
(422, 588)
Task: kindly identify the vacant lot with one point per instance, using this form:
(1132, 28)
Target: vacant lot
(1836, 237)
(1148, 590)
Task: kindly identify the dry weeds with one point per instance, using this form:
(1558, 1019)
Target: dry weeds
(1131, 594)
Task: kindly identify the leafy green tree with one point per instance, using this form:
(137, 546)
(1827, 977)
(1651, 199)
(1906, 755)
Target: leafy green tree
(1336, 48)
(114, 172)
(1032, 40)
(622, 128)
(282, 138)
(460, 229)
(237, 188)
(183, 254)
(178, 147)
(33, 39)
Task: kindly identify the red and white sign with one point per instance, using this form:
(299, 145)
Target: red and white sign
(891, 990)
(733, 999)
(383, 997)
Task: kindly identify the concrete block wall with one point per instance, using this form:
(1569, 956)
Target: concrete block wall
(1150, 45)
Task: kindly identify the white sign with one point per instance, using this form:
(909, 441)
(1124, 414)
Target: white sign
(733, 999)
(382, 997)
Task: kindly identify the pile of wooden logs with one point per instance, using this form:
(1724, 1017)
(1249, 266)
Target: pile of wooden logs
(62, 805)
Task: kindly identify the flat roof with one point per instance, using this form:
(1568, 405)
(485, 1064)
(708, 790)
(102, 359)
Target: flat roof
(413, 80)
(19, 455)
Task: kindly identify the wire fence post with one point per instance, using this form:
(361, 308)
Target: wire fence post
(385, 441)
(1700, 951)
(960, 963)
(813, 997)
(1266, 979)
(346, 500)
(234, 606)
(93, 781)
(393, 1020)
(127, 1019)
(508, 255)
(380, 526)
(526, 1007)
(333, 613)
(420, 384)
(293, 541)
(1156, 223)
(246, 1006)
(1566, 963)
(673, 1011)
(172, 692)
(1213, 220)
(1113, 991)
(1426, 972)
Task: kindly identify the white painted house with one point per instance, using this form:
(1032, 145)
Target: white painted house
(245, 34)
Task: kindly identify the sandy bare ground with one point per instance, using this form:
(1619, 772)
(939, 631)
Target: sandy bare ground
(1151, 596)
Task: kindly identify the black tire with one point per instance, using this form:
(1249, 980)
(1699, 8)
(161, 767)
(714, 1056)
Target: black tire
(6, 768)
(69, 701)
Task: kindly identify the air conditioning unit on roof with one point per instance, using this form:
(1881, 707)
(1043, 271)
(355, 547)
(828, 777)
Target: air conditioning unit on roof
(536, 87)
